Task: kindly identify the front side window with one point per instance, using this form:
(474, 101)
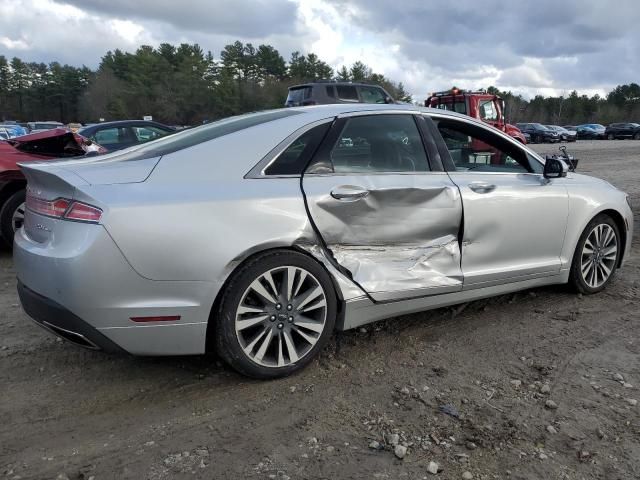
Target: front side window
(372, 95)
(110, 136)
(476, 149)
(347, 92)
(378, 143)
(144, 134)
(488, 110)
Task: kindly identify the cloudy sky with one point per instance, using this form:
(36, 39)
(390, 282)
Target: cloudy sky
(542, 46)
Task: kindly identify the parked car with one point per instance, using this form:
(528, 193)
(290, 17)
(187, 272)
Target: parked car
(41, 146)
(539, 133)
(125, 133)
(36, 127)
(591, 131)
(287, 232)
(322, 93)
(623, 130)
(13, 129)
(565, 134)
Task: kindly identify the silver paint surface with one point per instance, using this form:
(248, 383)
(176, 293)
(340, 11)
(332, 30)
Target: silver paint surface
(400, 239)
(174, 229)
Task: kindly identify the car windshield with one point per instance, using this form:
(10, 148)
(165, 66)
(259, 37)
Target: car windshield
(596, 126)
(539, 126)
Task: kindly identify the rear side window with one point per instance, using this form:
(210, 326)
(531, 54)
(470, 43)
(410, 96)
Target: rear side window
(298, 95)
(331, 91)
(296, 156)
(372, 95)
(347, 92)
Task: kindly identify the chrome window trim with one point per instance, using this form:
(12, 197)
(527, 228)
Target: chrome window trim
(258, 171)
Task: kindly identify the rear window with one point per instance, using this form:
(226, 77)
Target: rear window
(194, 136)
(46, 126)
(298, 95)
(457, 106)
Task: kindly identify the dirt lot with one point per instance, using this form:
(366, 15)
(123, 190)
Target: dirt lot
(70, 413)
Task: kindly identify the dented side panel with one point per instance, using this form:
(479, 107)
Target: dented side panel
(398, 240)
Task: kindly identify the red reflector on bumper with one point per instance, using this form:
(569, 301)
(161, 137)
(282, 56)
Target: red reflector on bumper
(172, 318)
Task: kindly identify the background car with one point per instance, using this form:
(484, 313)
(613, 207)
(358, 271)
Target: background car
(565, 135)
(591, 131)
(124, 133)
(323, 93)
(36, 127)
(43, 146)
(539, 133)
(249, 235)
(13, 129)
(623, 130)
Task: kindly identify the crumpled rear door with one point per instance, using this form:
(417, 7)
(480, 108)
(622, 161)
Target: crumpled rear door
(396, 234)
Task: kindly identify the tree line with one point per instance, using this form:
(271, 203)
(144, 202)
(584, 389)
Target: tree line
(622, 104)
(175, 84)
(185, 85)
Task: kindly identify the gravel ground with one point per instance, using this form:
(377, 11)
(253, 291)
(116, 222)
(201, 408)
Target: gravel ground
(538, 384)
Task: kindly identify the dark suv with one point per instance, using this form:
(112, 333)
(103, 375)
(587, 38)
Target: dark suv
(623, 130)
(539, 133)
(323, 93)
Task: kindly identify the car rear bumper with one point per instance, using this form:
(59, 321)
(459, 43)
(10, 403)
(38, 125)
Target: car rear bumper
(60, 321)
(79, 286)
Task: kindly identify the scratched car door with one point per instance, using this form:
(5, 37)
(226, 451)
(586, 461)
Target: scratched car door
(388, 219)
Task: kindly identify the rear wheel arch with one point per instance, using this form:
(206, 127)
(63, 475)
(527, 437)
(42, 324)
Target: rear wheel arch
(252, 257)
(10, 188)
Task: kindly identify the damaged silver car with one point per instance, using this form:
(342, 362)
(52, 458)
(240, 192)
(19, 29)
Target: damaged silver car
(259, 235)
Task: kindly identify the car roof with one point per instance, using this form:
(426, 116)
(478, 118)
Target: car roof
(353, 84)
(124, 123)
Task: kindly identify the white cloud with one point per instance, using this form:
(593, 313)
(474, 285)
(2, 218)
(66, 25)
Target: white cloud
(548, 48)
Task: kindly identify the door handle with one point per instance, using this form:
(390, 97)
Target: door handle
(482, 187)
(349, 193)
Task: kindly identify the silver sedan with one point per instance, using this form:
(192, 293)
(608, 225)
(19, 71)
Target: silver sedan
(259, 235)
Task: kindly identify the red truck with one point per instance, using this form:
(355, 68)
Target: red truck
(42, 146)
(481, 105)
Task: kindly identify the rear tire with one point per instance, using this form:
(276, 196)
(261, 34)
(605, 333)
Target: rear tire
(596, 256)
(277, 313)
(611, 136)
(12, 216)
(636, 136)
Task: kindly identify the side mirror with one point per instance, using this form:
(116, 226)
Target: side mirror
(555, 168)
(388, 100)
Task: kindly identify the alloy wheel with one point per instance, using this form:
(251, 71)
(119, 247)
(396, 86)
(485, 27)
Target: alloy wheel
(281, 316)
(599, 255)
(17, 219)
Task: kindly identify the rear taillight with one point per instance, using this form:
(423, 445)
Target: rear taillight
(65, 209)
(83, 213)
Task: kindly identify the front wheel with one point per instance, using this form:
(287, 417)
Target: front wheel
(611, 136)
(636, 136)
(12, 216)
(276, 315)
(596, 257)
